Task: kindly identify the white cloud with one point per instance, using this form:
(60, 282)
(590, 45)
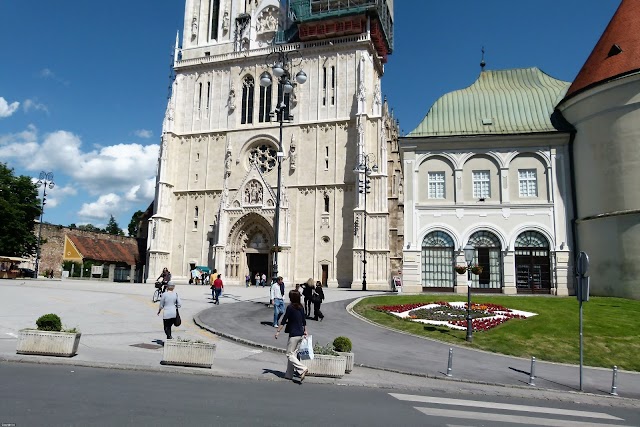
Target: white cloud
(120, 176)
(142, 193)
(57, 194)
(143, 133)
(6, 109)
(108, 204)
(29, 105)
(46, 73)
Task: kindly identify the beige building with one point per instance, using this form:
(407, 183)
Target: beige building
(489, 166)
(603, 104)
(217, 181)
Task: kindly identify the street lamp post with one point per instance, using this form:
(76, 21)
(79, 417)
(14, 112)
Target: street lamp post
(364, 166)
(44, 180)
(469, 252)
(280, 63)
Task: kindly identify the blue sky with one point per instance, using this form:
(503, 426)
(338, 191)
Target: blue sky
(83, 83)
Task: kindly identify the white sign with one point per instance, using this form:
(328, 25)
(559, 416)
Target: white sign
(96, 269)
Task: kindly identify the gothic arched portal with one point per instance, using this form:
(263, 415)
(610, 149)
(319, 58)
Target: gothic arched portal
(248, 247)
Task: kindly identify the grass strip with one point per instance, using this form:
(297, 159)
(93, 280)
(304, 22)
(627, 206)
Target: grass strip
(611, 327)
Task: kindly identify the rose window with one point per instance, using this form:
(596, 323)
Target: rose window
(264, 157)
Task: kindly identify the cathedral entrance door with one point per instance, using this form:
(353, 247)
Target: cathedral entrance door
(257, 263)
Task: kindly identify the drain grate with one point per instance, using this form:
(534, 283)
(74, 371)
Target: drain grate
(147, 346)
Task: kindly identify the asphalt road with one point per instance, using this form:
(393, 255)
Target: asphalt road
(379, 347)
(37, 395)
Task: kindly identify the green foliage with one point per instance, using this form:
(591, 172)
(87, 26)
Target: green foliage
(324, 349)
(90, 227)
(611, 328)
(113, 227)
(49, 322)
(134, 225)
(19, 208)
(342, 344)
(73, 272)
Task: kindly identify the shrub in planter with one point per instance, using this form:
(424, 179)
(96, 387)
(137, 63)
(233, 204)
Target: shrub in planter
(460, 269)
(49, 322)
(49, 339)
(343, 346)
(326, 362)
(476, 269)
(183, 352)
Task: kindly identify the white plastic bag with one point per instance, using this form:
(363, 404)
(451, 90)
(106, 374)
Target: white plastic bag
(306, 348)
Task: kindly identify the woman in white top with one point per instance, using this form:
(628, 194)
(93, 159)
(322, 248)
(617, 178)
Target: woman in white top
(169, 302)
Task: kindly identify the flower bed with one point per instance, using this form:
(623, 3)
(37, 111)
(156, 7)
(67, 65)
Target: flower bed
(454, 314)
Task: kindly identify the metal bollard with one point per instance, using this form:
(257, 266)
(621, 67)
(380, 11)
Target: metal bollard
(614, 388)
(532, 374)
(450, 364)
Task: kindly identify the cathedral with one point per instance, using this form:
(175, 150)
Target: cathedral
(279, 154)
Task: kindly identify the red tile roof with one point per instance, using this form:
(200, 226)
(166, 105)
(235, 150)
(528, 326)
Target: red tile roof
(623, 31)
(100, 249)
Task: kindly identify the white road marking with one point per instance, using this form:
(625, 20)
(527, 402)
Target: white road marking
(511, 419)
(12, 334)
(502, 406)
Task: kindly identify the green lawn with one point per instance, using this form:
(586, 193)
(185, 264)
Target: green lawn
(611, 328)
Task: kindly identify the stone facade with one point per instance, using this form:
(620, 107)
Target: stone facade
(217, 176)
(52, 248)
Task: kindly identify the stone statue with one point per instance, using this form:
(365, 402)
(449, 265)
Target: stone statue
(292, 154)
(194, 27)
(231, 100)
(225, 21)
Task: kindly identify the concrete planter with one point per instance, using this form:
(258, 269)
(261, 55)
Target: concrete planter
(326, 366)
(186, 353)
(48, 343)
(349, 357)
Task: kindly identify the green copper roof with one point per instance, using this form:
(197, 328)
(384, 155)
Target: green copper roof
(500, 102)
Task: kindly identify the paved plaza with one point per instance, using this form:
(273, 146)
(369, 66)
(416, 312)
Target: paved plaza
(120, 330)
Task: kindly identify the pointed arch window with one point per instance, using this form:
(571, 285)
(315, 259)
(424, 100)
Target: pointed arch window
(248, 87)
(284, 99)
(326, 203)
(264, 114)
(215, 15)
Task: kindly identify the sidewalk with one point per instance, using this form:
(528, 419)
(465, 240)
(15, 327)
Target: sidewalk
(120, 330)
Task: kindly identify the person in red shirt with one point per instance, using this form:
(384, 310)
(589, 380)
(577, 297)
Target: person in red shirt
(217, 289)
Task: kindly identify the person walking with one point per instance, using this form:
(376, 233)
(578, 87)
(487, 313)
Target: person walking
(317, 298)
(277, 300)
(296, 326)
(247, 280)
(217, 288)
(263, 280)
(169, 304)
(257, 279)
(307, 292)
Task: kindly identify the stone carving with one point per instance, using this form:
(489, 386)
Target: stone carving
(231, 100)
(267, 21)
(292, 154)
(253, 193)
(225, 21)
(228, 162)
(194, 27)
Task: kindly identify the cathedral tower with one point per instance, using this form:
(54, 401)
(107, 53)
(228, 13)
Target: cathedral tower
(217, 181)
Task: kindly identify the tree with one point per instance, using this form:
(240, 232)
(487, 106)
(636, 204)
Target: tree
(134, 225)
(90, 227)
(19, 209)
(113, 227)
